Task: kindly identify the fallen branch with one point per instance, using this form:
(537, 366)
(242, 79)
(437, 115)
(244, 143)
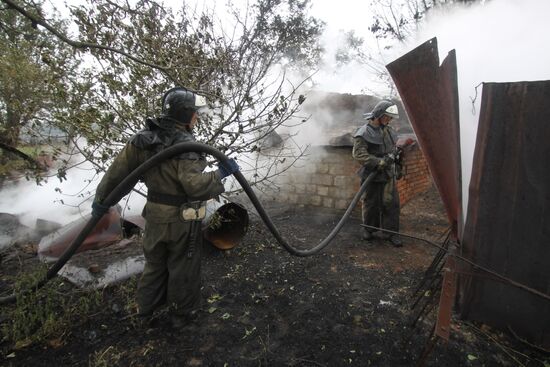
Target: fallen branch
(22, 155)
(503, 347)
(534, 346)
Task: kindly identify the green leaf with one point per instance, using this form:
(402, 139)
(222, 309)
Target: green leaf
(248, 332)
(214, 298)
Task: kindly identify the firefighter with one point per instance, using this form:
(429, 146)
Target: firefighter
(374, 147)
(176, 193)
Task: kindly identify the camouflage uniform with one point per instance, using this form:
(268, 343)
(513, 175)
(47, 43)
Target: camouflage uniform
(172, 246)
(380, 203)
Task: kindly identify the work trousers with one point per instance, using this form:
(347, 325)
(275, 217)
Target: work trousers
(380, 205)
(172, 267)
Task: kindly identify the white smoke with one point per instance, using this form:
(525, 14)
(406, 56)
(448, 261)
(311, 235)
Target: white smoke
(58, 201)
(495, 41)
(52, 200)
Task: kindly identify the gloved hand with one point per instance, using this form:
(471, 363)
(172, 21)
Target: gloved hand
(385, 162)
(228, 168)
(99, 210)
(396, 153)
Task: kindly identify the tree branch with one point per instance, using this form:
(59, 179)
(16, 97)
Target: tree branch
(77, 44)
(20, 154)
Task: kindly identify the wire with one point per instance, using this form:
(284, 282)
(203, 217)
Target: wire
(470, 262)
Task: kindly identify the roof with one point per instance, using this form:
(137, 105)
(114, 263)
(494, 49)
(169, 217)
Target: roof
(335, 117)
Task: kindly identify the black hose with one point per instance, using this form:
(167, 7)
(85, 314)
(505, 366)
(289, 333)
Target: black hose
(267, 220)
(130, 181)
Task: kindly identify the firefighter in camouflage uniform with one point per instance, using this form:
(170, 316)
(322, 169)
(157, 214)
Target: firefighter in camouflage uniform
(374, 147)
(176, 193)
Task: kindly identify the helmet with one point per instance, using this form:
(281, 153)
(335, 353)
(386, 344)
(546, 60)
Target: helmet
(384, 107)
(179, 101)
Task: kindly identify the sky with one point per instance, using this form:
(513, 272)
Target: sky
(344, 15)
(500, 40)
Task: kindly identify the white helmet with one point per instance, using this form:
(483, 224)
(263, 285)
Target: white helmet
(384, 107)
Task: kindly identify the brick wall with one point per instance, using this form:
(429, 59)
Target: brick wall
(417, 178)
(327, 178)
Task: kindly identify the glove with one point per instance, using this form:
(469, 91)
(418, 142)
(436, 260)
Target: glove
(396, 153)
(228, 168)
(385, 162)
(99, 210)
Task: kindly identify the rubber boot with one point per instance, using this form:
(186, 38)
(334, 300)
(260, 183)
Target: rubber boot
(365, 234)
(180, 321)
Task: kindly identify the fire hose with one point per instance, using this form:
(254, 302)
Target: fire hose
(130, 181)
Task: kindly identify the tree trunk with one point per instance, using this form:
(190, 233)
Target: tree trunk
(12, 128)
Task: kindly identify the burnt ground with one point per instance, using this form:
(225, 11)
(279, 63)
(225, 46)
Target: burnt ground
(348, 305)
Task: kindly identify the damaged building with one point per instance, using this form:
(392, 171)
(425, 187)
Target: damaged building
(326, 176)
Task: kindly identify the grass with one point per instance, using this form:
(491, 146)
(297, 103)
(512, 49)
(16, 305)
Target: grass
(110, 356)
(46, 314)
(127, 291)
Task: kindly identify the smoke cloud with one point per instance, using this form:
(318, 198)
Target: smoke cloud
(495, 41)
(58, 201)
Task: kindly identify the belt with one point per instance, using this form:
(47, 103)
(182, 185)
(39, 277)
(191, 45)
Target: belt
(189, 210)
(166, 199)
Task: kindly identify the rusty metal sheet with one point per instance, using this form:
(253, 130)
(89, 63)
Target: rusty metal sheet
(447, 299)
(430, 96)
(106, 232)
(136, 220)
(508, 223)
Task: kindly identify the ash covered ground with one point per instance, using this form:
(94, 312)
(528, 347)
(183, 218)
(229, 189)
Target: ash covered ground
(348, 305)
